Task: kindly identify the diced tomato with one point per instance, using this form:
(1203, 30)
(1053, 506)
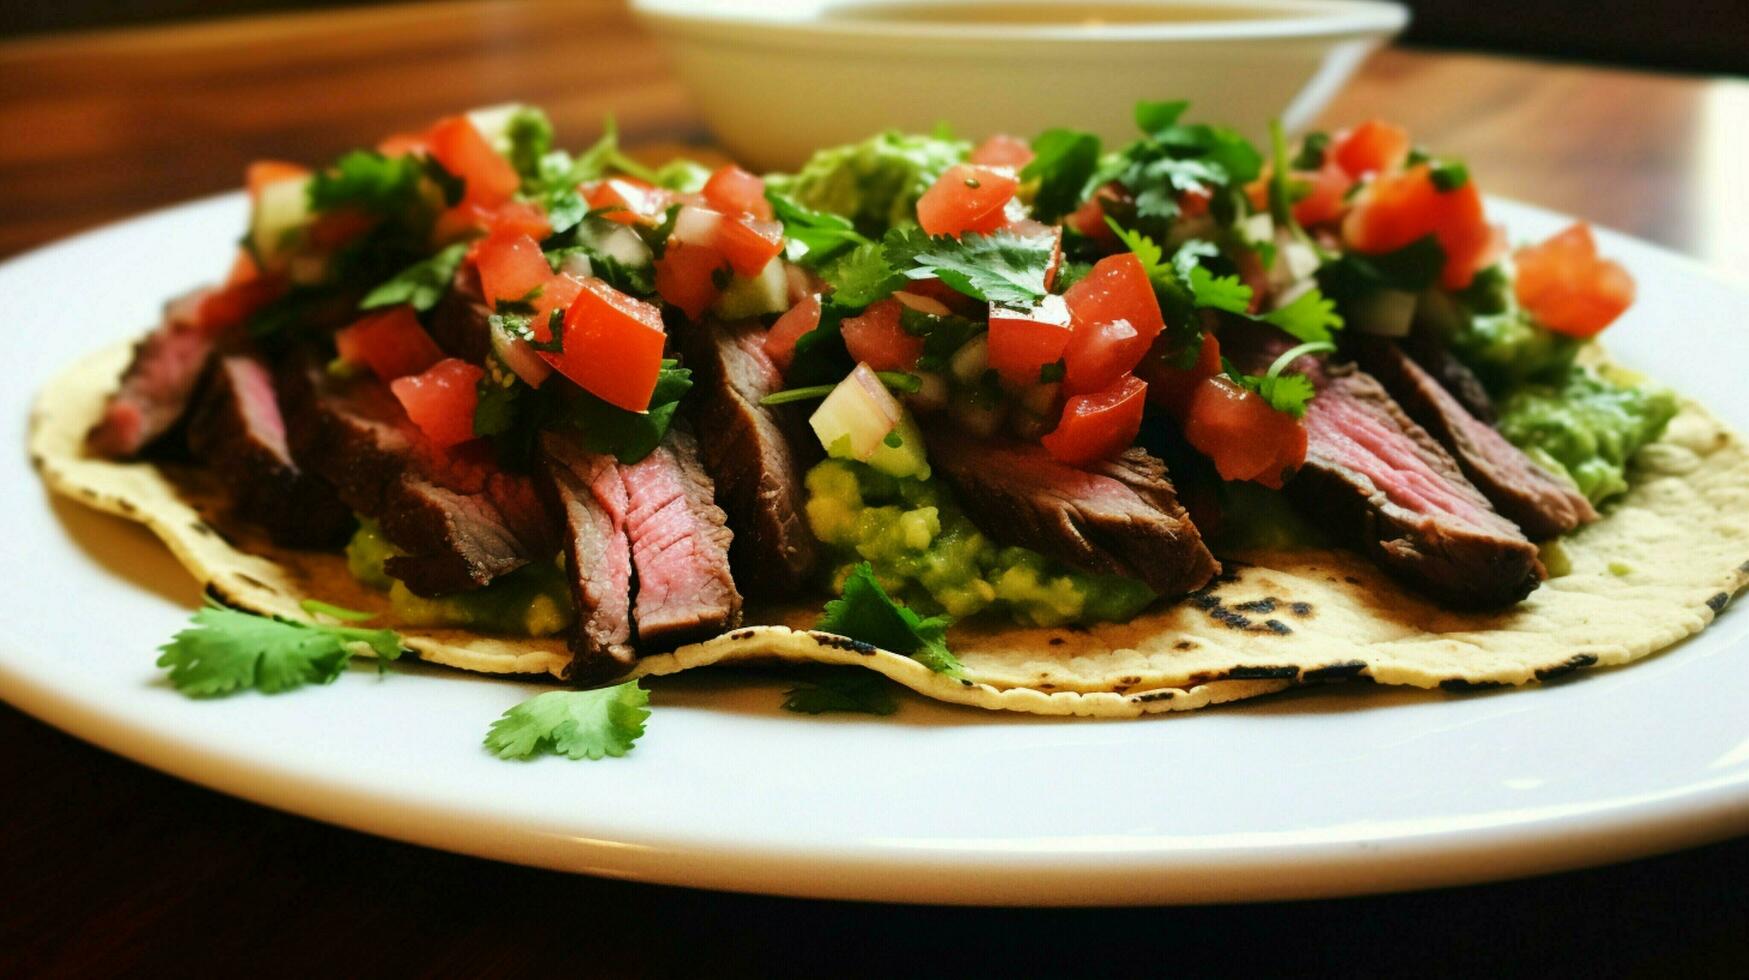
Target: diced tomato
(966, 198)
(1194, 203)
(749, 243)
(732, 190)
(1171, 388)
(1024, 340)
(459, 147)
(1002, 150)
(1241, 434)
(441, 400)
(633, 202)
(511, 266)
(557, 293)
(1098, 425)
(520, 217)
(799, 321)
(1089, 218)
(403, 144)
(1397, 209)
(1373, 147)
(230, 306)
(333, 229)
(390, 341)
(263, 172)
(1326, 197)
(613, 346)
(1115, 317)
(686, 276)
(878, 338)
(1567, 288)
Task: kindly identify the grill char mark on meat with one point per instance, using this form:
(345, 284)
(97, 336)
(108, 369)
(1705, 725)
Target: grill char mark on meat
(158, 384)
(755, 455)
(1120, 516)
(237, 430)
(463, 524)
(680, 547)
(589, 495)
(1437, 360)
(1519, 489)
(1375, 477)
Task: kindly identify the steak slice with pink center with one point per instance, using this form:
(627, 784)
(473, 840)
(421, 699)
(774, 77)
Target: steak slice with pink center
(680, 547)
(158, 384)
(589, 494)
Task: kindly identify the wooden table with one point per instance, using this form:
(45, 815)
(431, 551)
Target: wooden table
(107, 867)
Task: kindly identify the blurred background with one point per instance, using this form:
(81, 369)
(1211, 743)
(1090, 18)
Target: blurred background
(1680, 35)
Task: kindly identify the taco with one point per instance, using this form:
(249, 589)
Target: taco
(1044, 427)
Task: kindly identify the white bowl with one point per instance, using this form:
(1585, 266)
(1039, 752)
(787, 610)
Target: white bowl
(780, 78)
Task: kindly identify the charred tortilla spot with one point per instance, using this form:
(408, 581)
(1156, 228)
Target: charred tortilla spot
(1046, 686)
(1057, 641)
(126, 506)
(1744, 568)
(1277, 627)
(1717, 603)
(1461, 685)
(1230, 619)
(1571, 664)
(1163, 695)
(837, 642)
(1184, 645)
(965, 683)
(1264, 605)
(1335, 672)
(251, 580)
(743, 635)
(200, 527)
(1351, 580)
(1249, 673)
(1301, 609)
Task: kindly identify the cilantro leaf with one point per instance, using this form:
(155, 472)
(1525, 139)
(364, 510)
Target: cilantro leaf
(1284, 392)
(495, 407)
(227, 650)
(1155, 117)
(865, 612)
(1001, 267)
(1412, 268)
(1310, 317)
(1062, 162)
(368, 181)
(576, 724)
(530, 135)
(421, 284)
(942, 335)
(862, 276)
(1208, 290)
(812, 237)
(849, 689)
(628, 436)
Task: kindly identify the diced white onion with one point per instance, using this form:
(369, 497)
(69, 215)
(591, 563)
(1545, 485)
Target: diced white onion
(1259, 227)
(923, 304)
(518, 356)
(697, 226)
(622, 245)
(1386, 313)
(856, 416)
(969, 363)
(577, 264)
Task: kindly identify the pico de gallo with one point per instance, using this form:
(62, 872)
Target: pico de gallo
(1050, 291)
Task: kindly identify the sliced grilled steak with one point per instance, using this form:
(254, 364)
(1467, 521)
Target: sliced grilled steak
(462, 523)
(680, 547)
(756, 455)
(237, 430)
(1519, 489)
(590, 495)
(158, 384)
(459, 320)
(1376, 478)
(1437, 360)
(1118, 517)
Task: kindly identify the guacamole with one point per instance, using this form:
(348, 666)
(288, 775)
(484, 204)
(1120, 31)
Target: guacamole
(1587, 426)
(875, 183)
(926, 551)
(531, 601)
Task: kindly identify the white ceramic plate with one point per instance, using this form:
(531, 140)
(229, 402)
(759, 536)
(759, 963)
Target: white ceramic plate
(1318, 793)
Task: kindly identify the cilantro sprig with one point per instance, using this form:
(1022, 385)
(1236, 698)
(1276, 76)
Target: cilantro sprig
(593, 724)
(1001, 267)
(421, 284)
(866, 612)
(227, 650)
(1290, 393)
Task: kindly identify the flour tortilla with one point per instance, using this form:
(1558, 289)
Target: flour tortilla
(1661, 564)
